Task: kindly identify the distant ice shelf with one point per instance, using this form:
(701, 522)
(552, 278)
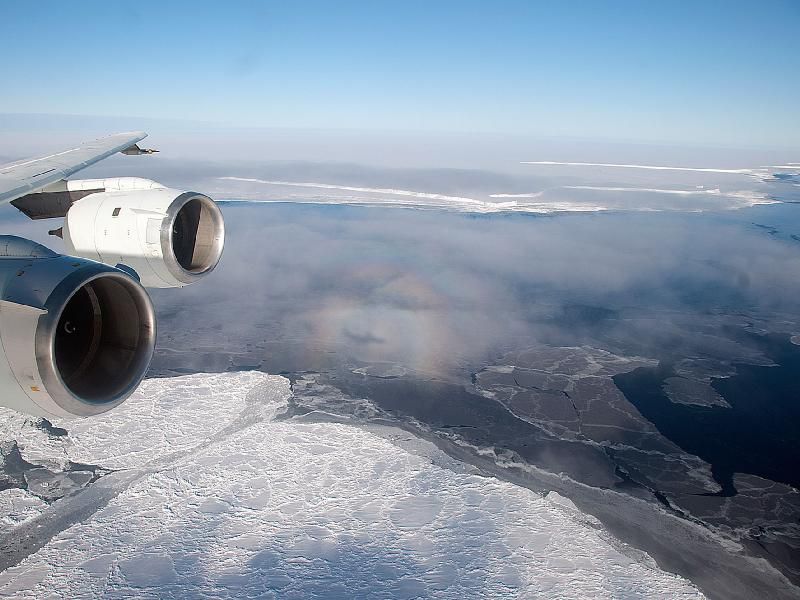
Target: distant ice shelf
(556, 199)
(213, 497)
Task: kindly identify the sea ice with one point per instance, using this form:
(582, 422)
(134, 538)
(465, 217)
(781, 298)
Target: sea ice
(217, 498)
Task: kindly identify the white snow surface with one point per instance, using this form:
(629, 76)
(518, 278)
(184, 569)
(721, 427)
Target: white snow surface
(556, 199)
(645, 167)
(217, 499)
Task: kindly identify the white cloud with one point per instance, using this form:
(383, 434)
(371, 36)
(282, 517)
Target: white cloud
(647, 167)
(528, 195)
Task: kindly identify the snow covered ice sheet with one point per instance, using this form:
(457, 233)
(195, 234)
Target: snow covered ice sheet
(212, 497)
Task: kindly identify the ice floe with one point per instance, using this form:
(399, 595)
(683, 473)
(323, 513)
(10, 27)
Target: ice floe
(213, 496)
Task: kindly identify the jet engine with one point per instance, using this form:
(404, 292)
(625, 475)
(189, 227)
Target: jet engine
(168, 237)
(77, 335)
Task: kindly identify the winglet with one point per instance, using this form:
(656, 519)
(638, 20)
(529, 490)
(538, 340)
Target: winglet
(135, 150)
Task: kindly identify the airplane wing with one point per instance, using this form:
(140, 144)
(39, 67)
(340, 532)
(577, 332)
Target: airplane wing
(77, 330)
(26, 176)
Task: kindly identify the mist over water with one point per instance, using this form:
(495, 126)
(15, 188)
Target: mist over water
(441, 291)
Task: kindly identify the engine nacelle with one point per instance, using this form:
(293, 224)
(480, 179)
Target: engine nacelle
(77, 335)
(170, 238)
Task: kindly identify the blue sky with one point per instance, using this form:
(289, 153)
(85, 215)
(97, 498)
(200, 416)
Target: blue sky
(716, 73)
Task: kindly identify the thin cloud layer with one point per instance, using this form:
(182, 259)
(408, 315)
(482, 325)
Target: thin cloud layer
(429, 288)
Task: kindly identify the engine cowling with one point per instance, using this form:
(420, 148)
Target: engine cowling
(77, 335)
(169, 237)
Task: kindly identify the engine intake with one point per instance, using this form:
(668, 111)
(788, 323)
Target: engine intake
(196, 236)
(104, 332)
(77, 335)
